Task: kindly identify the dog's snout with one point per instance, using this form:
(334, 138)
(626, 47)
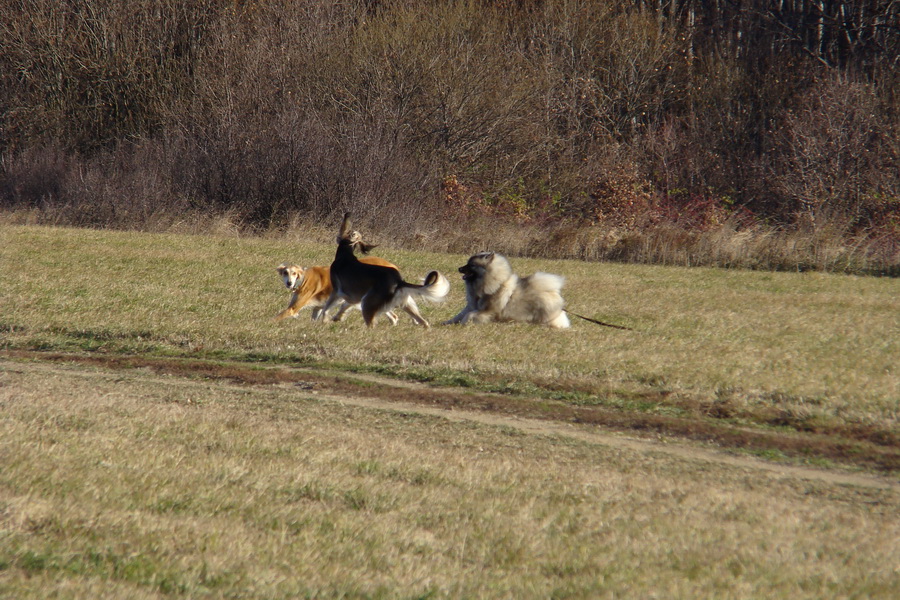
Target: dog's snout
(463, 268)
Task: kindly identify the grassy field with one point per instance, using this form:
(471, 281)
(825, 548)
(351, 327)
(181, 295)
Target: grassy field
(810, 353)
(161, 436)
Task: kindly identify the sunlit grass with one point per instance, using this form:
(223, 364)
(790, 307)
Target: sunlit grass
(124, 484)
(131, 484)
(812, 346)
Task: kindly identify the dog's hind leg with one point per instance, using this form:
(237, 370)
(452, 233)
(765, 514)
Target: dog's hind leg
(413, 311)
(369, 313)
(374, 303)
(560, 321)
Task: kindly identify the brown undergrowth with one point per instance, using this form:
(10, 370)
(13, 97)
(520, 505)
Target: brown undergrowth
(712, 134)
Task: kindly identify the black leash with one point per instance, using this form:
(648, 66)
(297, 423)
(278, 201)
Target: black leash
(597, 322)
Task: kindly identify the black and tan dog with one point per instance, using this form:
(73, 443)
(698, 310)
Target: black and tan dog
(311, 286)
(377, 289)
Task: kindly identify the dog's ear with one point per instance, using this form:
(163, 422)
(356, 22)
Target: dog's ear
(344, 231)
(355, 238)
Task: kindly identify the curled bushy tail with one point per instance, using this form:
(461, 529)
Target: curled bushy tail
(434, 289)
(546, 282)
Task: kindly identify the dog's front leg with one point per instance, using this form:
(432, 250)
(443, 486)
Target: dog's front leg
(332, 300)
(470, 307)
(460, 318)
(340, 313)
(478, 316)
(301, 298)
(292, 309)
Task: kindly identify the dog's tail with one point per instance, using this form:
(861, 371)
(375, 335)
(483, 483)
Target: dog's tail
(434, 289)
(541, 282)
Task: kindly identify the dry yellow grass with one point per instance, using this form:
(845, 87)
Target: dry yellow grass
(126, 484)
(129, 483)
(805, 350)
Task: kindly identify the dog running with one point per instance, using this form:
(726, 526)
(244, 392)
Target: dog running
(311, 286)
(495, 293)
(376, 288)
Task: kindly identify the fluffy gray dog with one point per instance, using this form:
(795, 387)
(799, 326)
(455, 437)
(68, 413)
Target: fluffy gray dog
(495, 293)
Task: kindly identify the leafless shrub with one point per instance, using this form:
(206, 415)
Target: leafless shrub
(612, 71)
(90, 73)
(36, 177)
(566, 127)
(839, 164)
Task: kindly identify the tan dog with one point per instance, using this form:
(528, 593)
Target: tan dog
(312, 287)
(377, 289)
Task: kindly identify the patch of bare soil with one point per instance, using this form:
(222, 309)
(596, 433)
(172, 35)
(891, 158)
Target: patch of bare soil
(668, 435)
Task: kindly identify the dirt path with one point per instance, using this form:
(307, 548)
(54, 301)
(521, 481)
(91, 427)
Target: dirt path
(321, 389)
(593, 435)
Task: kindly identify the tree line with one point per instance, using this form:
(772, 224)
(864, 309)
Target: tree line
(627, 113)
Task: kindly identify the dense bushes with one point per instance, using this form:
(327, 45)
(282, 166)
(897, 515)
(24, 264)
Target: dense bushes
(616, 119)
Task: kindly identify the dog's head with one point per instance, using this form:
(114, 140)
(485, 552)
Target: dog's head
(486, 272)
(291, 275)
(476, 266)
(358, 244)
(352, 238)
